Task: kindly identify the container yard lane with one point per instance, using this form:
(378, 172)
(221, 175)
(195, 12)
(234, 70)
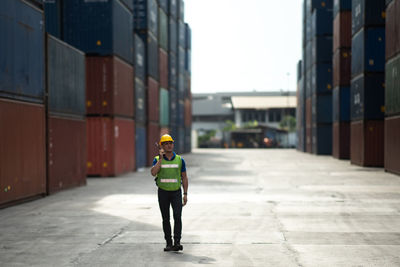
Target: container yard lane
(245, 208)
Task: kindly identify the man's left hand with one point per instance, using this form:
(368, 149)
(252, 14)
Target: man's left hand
(184, 200)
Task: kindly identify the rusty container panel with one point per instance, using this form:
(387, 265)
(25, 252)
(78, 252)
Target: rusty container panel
(153, 137)
(66, 153)
(188, 113)
(367, 143)
(110, 146)
(163, 68)
(342, 30)
(153, 100)
(341, 140)
(392, 144)
(342, 67)
(22, 151)
(109, 86)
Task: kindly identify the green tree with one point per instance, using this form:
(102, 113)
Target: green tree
(230, 125)
(288, 123)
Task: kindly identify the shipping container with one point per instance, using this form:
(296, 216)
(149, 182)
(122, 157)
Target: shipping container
(22, 151)
(181, 86)
(128, 4)
(140, 102)
(188, 113)
(181, 8)
(388, 2)
(153, 138)
(164, 107)
(188, 61)
(341, 6)
(342, 30)
(322, 49)
(392, 86)
(341, 140)
(321, 79)
(173, 106)
(86, 28)
(110, 146)
(66, 152)
(188, 93)
(368, 51)
(392, 144)
(181, 61)
(309, 55)
(341, 104)
(367, 97)
(173, 8)
(163, 5)
(322, 108)
(309, 88)
(53, 14)
(141, 146)
(188, 140)
(66, 78)
(145, 14)
(188, 37)
(392, 30)
(153, 96)
(321, 22)
(22, 59)
(180, 113)
(342, 67)
(109, 86)
(151, 60)
(321, 4)
(309, 112)
(367, 143)
(172, 70)
(173, 35)
(180, 140)
(322, 139)
(140, 58)
(182, 34)
(163, 68)
(163, 30)
(367, 13)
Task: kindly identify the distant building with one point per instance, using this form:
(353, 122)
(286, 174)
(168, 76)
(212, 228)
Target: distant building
(212, 111)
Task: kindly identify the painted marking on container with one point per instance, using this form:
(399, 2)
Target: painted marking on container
(371, 62)
(116, 131)
(89, 103)
(170, 166)
(105, 164)
(104, 103)
(98, 43)
(89, 164)
(168, 180)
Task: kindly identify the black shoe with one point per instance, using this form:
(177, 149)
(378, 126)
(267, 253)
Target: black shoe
(177, 246)
(169, 247)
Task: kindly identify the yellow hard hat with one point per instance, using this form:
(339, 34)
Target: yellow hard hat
(166, 138)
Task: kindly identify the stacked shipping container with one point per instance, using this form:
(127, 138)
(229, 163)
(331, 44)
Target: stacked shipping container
(341, 79)
(367, 82)
(392, 81)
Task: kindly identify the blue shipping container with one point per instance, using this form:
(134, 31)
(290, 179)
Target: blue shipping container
(367, 97)
(173, 35)
(322, 49)
(341, 104)
(141, 151)
(182, 34)
(321, 80)
(145, 13)
(322, 22)
(21, 51)
(181, 86)
(180, 113)
(173, 106)
(321, 4)
(53, 15)
(99, 27)
(163, 5)
(140, 101)
(173, 8)
(188, 60)
(322, 139)
(172, 70)
(367, 13)
(128, 4)
(322, 108)
(341, 5)
(181, 10)
(368, 51)
(181, 61)
(140, 56)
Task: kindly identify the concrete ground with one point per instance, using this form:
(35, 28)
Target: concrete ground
(245, 208)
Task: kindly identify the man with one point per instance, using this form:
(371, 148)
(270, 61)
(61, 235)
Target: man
(170, 171)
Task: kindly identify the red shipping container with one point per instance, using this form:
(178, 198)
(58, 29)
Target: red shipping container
(342, 67)
(109, 86)
(163, 68)
(153, 137)
(367, 143)
(66, 153)
(392, 144)
(342, 30)
(188, 113)
(341, 140)
(22, 151)
(153, 100)
(110, 146)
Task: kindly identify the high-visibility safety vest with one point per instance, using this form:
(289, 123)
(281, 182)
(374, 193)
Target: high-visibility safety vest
(169, 177)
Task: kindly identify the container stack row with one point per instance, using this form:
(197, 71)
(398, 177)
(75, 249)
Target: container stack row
(341, 79)
(392, 81)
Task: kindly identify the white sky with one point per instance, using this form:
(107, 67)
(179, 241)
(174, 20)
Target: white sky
(244, 45)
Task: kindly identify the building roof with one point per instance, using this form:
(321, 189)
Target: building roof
(263, 102)
(211, 105)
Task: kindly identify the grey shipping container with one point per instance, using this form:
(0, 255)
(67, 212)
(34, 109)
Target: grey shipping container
(181, 86)
(181, 8)
(140, 101)
(163, 30)
(182, 33)
(164, 5)
(366, 13)
(188, 60)
(21, 51)
(139, 60)
(145, 14)
(392, 90)
(66, 78)
(173, 35)
(173, 8)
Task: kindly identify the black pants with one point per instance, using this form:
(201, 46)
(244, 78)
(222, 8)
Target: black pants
(165, 200)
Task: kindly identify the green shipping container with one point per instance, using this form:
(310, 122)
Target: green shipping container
(163, 29)
(164, 107)
(392, 94)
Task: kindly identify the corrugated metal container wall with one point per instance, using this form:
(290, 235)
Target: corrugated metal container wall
(66, 153)
(139, 60)
(153, 96)
(52, 10)
(109, 86)
(181, 61)
(341, 104)
(22, 150)
(341, 6)
(145, 16)
(181, 8)
(66, 76)
(153, 137)
(164, 107)
(321, 79)
(86, 28)
(322, 139)
(163, 30)
(392, 144)
(21, 51)
(341, 140)
(367, 97)
(128, 4)
(319, 26)
(342, 30)
(368, 51)
(366, 13)
(163, 68)
(322, 108)
(392, 90)
(141, 150)
(188, 113)
(392, 29)
(188, 37)
(151, 54)
(173, 106)
(342, 67)
(172, 73)
(366, 143)
(181, 86)
(182, 33)
(140, 102)
(163, 5)
(181, 113)
(173, 35)
(322, 49)
(110, 146)
(173, 8)
(188, 140)
(319, 4)
(188, 60)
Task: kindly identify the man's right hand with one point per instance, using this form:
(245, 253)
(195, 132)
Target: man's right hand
(161, 154)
